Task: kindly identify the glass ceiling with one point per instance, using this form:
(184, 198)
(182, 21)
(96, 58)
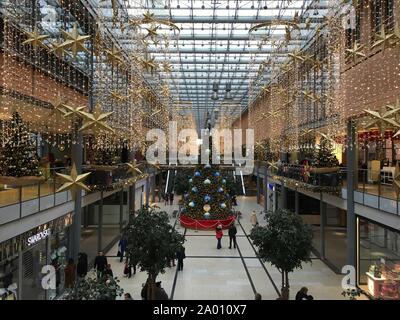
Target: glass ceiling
(214, 44)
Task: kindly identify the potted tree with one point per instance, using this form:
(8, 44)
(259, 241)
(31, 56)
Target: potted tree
(93, 288)
(151, 244)
(285, 242)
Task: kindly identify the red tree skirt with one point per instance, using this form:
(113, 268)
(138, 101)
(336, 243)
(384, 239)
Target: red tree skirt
(191, 223)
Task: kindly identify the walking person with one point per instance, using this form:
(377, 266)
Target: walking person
(232, 235)
(69, 274)
(171, 198)
(108, 271)
(100, 264)
(180, 255)
(82, 266)
(166, 198)
(219, 234)
(253, 219)
(122, 244)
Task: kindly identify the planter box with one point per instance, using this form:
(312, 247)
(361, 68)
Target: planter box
(324, 170)
(21, 181)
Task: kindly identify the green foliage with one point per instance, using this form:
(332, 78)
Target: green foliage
(217, 198)
(325, 156)
(181, 183)
(285, 242)
(351, 293)
(105, 157)
(18, 157)
(92, 288)
(151, 240)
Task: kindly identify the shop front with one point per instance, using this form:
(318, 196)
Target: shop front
(378, 260)
(23, 257)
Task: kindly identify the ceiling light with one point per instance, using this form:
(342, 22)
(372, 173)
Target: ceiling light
(214, 96)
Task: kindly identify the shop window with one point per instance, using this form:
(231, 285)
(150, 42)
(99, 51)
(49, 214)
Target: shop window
(382, 12)
(376, 15)
(379, 260)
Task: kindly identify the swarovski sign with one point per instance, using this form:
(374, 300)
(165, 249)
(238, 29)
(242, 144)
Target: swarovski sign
(39, 236)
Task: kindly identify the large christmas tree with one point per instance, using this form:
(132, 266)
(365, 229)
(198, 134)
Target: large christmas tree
(18, 157)
(207, 197)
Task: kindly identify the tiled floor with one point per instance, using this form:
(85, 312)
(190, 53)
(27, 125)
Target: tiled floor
(221, 274)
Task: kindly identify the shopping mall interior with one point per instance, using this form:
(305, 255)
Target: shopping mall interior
(199, 150)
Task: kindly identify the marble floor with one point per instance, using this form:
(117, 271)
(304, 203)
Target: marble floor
(229, 274)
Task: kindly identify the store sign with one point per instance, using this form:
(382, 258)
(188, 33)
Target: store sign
(39, 236)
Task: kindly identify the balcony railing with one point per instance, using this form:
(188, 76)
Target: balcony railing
(372, 188)
(19, 202)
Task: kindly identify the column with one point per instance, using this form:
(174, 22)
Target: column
(351, 219)
(153, 188)
(121, 209)
(147, 190)
(75, 229)
(100, 224)
(296, 201)
(284, 197)
(322, 214)
(265, 189)
(258, 183)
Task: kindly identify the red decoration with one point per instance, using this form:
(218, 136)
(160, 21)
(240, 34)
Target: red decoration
(191, 223)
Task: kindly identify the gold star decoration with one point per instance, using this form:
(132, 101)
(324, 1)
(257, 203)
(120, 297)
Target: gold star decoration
(133, 168)
(152, 32)
(296, 56)
(381, 119)
(326, 137)
(149, 64)
(114, 56)
(309, 95)
(118, 97)
(396, 35)
(58, 107)
(265, 89)
(269, 114)
(306, 132)
(96, 121)
(58, 49)
(272, 165)
(356, 51)
(135, 23)
(396, 180)
(35, 39)
(74, 41)
(383, 38)
(73, 182)
(73, 111)
(148, 18)
(167, 67)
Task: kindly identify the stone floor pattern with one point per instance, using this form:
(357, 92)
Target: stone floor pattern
(229, 274)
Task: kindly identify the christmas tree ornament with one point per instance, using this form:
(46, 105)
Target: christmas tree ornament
(217, 174)
(194, 189)
(220, 190)
(206, 215)
(207, 166)
(223, 181)
(191, 204)
(207, 182)
(223, 205)
(197, 174)
(206, 207)
(207, 198)
(190, 180)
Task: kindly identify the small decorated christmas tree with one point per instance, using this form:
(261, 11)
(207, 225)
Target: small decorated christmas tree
(324, 156)
(18, 157)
